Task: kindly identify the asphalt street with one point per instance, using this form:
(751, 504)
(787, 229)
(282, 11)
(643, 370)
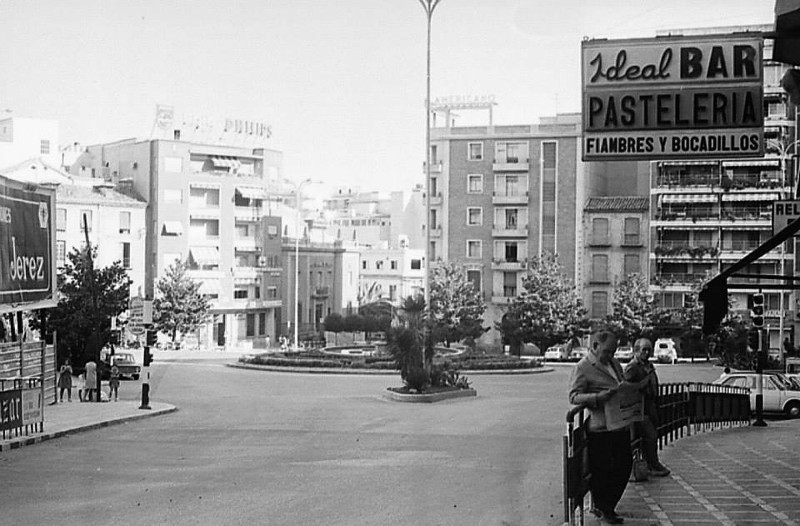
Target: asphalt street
(277, 448)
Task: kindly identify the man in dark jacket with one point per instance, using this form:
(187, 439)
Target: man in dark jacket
(641, 370)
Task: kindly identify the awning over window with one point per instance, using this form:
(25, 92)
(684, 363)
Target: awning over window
(230, 163)
(205, 255)
(250, 192)
(689, 163)
(764, 163)
(211, 186)
(766, 196)
(172, 228)
(210, 287)
(689, 198)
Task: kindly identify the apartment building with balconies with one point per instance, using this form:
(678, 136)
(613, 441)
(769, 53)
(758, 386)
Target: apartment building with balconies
(615, 245)
(500, 195)
(708, 214)
(205, 205)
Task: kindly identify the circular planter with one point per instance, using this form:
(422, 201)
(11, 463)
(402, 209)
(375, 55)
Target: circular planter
(428, 398)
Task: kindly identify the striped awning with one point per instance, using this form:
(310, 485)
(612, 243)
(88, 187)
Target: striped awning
(689, 163)
(689, 198)
(205, 255)
(225, 162)
(764, 163)
(751, 196)
(172, 228)
(251, 192)
(211, 186)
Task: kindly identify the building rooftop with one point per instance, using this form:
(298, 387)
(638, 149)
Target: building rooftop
(617, 204)
(102, 195)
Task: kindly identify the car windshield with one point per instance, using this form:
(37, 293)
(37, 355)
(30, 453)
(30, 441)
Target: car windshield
(123, 357)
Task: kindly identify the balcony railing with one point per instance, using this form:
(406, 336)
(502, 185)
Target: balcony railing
(687, 180)
(500, 197)
(739, 245)
(667, 279)
(509, 231)
(436, 167)
(676, 249)
(321, 292)
(500, 263)
(511, 164)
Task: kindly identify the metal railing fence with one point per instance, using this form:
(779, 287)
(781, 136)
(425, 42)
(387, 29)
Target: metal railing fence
(683, 409)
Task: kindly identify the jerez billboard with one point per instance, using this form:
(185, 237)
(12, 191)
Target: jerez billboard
(673, 97)
(27, 244)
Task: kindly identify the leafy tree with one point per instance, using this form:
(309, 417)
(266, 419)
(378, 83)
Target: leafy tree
(334, 322)
(178, 305)
(75, 318)
(548, 307)
(456, 306)
(633, 307)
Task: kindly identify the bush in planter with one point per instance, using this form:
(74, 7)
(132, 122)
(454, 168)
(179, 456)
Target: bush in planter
(417, 379)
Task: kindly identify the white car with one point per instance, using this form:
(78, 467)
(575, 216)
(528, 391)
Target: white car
(664, 351)
(558, 353)
(779, 393)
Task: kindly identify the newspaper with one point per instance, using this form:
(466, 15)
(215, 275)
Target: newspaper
(625, 407)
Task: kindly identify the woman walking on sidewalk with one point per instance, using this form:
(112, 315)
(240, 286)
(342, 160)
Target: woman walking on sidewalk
(65, 381)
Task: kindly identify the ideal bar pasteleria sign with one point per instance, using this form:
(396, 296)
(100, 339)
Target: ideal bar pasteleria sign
(673, 97)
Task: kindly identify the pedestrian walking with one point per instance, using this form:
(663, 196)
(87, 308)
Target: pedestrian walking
(65, 381)
(641, 370)
(268, 342)
(91, 380)
(594, 380)
(113, 382)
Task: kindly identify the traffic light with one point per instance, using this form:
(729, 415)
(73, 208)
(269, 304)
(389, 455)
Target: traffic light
(753, 339)
(714, 296)
(757, 310)
(151, 338)
(147, 357)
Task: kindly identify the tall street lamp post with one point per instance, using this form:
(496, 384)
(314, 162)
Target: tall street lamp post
(298, 191)
(428, 6)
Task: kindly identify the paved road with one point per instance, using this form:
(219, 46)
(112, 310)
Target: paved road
(273, 448)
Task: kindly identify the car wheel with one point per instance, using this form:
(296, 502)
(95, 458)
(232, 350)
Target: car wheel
(135, 377)
(793, 409)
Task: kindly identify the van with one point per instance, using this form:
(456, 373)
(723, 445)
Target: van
(665, 351)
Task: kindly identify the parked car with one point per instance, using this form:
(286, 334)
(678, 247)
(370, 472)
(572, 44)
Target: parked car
(780, 394)
(624, 353)
(557, 353)
(125, 362)
(578, 352)
(664, 351)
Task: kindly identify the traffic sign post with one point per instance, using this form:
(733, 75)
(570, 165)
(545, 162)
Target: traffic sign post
(140, 318)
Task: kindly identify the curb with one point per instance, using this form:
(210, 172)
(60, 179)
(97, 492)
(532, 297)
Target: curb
(331, 370)
(17, 443)
(429, 398)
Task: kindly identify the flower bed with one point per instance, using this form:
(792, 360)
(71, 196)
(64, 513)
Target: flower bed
(323, 360)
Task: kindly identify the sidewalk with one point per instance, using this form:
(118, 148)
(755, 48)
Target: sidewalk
(64, 418)
(736, 476)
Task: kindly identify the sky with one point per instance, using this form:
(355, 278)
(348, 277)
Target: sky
(341, 83)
